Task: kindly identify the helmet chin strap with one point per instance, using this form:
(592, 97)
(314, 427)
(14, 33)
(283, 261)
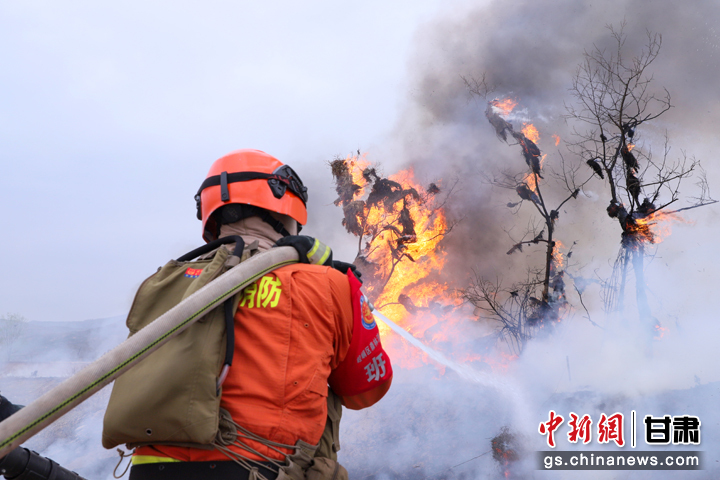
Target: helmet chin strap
(276, 224)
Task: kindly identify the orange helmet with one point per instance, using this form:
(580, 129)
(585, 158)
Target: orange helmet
(254, 179)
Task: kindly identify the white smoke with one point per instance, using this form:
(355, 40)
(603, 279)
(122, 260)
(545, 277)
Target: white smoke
(529, 50)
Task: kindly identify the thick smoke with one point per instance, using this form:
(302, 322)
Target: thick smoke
(530, 51)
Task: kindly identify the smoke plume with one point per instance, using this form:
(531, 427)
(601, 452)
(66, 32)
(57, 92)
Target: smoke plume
(435, 426)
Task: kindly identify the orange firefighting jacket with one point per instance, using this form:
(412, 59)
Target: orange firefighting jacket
(293, 328)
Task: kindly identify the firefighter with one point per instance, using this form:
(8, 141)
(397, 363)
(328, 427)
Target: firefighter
(297, 329)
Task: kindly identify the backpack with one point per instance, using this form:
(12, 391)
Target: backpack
(172, 397)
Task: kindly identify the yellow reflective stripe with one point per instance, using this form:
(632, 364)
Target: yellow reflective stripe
(312, 255)
(143, 459)
(313, 249)
(325, 255)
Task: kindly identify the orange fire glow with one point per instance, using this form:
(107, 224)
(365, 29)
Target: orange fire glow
(498, 364)
(630, 146)
(405, 285)
(557, 139)
(660, 331)
(530, 178)
(505, 106)
(407, 276)
(657, 226)
(558, 256)
(531, 132)
(401, 224)
(356, 165)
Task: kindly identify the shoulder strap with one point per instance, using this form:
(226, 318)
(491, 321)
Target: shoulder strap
(230, 340)
(228, 305)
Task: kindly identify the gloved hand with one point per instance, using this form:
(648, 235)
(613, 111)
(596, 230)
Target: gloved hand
(344, 266)
(7, 408)
(310, 249)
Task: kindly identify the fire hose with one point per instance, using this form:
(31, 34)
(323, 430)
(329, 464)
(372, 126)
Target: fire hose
(30, 420)
(20, 463)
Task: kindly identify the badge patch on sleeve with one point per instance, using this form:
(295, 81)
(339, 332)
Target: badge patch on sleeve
(193, 272)
(366, 365)
(368, 319)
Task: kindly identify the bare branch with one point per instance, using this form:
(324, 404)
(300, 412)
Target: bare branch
(478, 86)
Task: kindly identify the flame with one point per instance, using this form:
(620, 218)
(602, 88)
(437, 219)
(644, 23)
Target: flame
(630, 146)
(529, 180)
(505, 106)
(558, 256)
(402, 225)
(504, 448)
(655, 227)
(660, 331)
(531, 132)
(557, 139)
(356, 166)
(406, 259)
(430, 226)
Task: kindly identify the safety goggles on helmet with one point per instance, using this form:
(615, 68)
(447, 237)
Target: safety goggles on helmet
(282, 179)
(287, 178)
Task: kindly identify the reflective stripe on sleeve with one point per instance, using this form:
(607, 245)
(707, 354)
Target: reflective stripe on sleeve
(144, 459)
(319, 253)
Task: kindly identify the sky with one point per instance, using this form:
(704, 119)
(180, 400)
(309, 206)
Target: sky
(110, 116)
(112, 113)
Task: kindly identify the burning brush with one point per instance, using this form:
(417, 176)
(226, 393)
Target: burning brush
(506, 450)
(646, 225)
(399, 225)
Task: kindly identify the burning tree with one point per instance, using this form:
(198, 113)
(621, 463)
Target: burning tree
(615, 98)
(506, 449)
(399, 225)
(539, 301)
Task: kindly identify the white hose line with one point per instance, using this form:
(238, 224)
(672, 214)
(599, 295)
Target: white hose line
(25, 423)
(506, 386)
